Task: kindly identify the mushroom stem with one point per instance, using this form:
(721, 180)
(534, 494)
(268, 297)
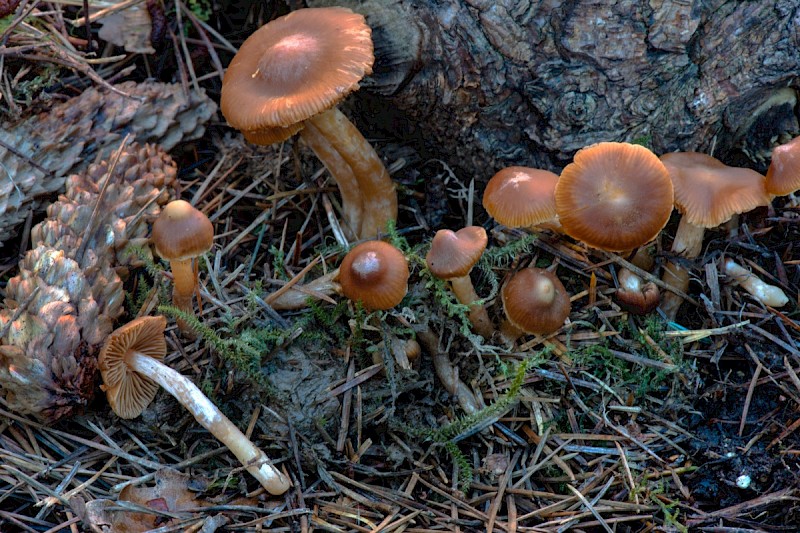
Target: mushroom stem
(478, 316)
(448, 373)
(509, 333)
(184, 284)
(206, 413)
(688, 244)
(298, 296)
(342, 174)
(379, 198)
(763, 292)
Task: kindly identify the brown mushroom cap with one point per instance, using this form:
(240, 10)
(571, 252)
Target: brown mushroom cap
(128, 391)
(374, 273)
(454, 253)
(708, 192)
(535, 301)
(783, 174)
(181, 232)
(296, 66)
(519, 197)
(614, 196)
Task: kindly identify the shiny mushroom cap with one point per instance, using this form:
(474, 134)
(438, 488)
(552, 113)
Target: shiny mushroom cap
(454, 253)
(181, 232)
(535, 301)
(783, 174)
(374, 273)
(519, 197)
(614, 196)
(708, 192)
(129, 392)
(294, 67)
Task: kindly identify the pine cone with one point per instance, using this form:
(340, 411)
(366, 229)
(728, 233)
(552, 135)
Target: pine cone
(67, 295)
(49, 146)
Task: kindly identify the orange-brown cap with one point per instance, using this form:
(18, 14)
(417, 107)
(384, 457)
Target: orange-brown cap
(708, 192)
(454, 253)
(614, 196)
(296, 66)
(535, 301)
(181, 232)
(636, 295)
(129, 392)
(267, 136)
(519, 197)
(374, 273)
(783, 174)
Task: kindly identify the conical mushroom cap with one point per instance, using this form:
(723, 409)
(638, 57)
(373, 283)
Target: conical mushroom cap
(129, 392)
(519, 197)
(296, 66)
(614, 196)
(454, 253)
(709, 192)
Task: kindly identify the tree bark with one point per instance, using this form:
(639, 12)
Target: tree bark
(484, 84)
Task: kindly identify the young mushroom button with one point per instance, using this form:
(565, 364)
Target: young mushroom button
(535, 301)
(451, 257)
(180, 234)
(374, 273)
(289, 76)
(131, 368)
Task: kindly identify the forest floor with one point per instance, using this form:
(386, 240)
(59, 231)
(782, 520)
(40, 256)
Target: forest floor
(616, 422)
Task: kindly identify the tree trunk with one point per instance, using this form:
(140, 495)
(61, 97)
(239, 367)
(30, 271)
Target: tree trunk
(484, 84)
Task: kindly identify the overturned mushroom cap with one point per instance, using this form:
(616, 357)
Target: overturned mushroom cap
(296, 66)
(129, 392)
(614, 196)
(454, 253)
(519, 197)
(182, 232)
(708, 192)
(374, 273)
(783, 174)
(536, 301)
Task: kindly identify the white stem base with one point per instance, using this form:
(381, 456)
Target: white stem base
(210, 417)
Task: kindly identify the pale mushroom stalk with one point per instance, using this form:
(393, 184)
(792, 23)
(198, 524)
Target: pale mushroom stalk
(762, 291)
(298, 296)
(378, 195)
(688, 244)
(210, 417)
(342, 174)
(478, 316)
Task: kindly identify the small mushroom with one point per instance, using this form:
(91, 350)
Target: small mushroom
(451, 258)
(614, 196)
(783, 174)
(182, 233)
(636, 295)
(288, 76)
(535, 301)
(374, 273)
(760, 290)
(131, 368)
(522, 197)
(707, 193)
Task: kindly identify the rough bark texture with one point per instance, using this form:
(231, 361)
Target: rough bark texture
(488, 83)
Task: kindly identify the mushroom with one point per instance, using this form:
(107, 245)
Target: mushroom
(783, 174)
(762, 291)
(522, 197)
(635, 295)
(131, 368)
(535, 301)
(614, 196)
(374, 273)
(707, 193)
(288, 76)
(181, 233)
(451, 258)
